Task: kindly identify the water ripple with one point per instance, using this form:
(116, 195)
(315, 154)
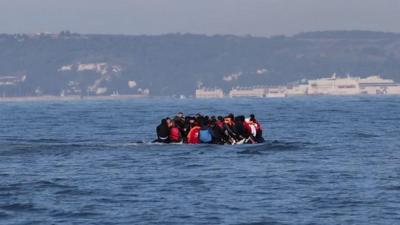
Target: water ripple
(326, 161)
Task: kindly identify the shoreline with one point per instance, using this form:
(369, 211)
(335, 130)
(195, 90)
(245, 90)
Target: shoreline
(128, 97)
(69, 98)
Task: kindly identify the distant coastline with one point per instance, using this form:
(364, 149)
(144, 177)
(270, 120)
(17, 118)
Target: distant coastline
(97, 65)
(68, 98)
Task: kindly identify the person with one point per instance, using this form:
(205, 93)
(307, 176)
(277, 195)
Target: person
(197, 116)
(241, 131)
(244, 130)
(163, 131)
(193, 136)
(180, 115)
(259, 132)
(206, 120)
(179, 119)
(231, 135)
(189, 124)
(220, 121)
(216, 132)
(174, 133)
(209, 129)
(180, 123)
(205, 133)
(253, 129)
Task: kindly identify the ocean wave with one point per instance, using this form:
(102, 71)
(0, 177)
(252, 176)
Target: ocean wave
(54, 145)
(20, 207)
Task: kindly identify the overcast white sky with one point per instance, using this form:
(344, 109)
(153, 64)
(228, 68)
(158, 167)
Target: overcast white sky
(255, 17)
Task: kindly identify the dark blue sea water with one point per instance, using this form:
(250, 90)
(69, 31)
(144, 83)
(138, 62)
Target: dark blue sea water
(328, 160)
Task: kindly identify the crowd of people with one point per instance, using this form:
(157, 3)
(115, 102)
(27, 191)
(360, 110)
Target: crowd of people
(203, 129)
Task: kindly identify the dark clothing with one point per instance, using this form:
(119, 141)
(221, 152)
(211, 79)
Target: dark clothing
(240, 130)
(231, 134)
(163, 133)
(260, 139)
(179, 122)
(259, 132)
(217, 135)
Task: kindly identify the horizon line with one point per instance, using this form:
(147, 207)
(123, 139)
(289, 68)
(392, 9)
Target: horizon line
(202, 34)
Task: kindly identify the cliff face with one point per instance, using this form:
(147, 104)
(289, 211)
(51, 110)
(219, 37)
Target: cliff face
(69, 64)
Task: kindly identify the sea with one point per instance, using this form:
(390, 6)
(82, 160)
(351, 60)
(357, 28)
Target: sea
(326, 160)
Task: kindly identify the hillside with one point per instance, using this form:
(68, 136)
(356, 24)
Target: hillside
(174, 64)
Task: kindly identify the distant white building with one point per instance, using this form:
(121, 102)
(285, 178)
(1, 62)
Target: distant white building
(393, 90)
(248, 92)
(334, 86)
(260, 92)
(372, 85)
(297, 90)
(375, 85)
(276, 92)
(209, 93)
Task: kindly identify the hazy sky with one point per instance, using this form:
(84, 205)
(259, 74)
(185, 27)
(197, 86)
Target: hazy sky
(255, 17)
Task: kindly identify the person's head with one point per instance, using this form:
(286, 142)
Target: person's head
(201, 120)
(168, 121)
(253, 117)
(240, 119)
(228, 120)
(230, 115)
(220, 118)
(171, 123)
(213, 121)
(249, 121)
(206, 120)
(164, 122)
(180, 115)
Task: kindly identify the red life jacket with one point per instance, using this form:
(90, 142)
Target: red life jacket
(193, 136)
(247, 127)
(174, 135)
